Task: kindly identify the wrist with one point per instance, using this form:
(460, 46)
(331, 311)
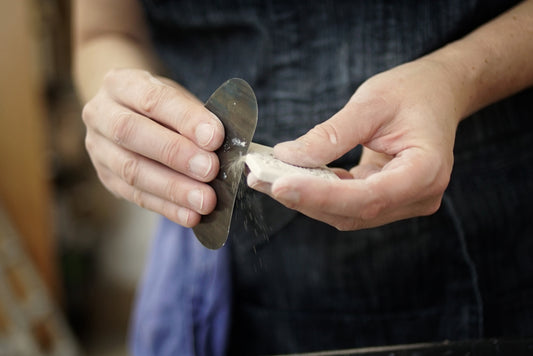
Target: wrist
(492, 62)
(461, 75)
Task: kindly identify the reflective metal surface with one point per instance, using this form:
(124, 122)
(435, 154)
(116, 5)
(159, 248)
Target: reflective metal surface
(234, 103)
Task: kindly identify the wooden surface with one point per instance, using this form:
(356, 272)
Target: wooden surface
(24, 170)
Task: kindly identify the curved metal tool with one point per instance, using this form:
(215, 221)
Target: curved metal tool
(234, 103)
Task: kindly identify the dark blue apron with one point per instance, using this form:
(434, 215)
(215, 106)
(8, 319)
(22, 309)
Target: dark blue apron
(300, 285)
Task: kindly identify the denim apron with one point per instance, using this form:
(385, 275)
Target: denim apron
(299, 285)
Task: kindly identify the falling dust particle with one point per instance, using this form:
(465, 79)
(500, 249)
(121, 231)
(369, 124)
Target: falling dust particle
(246, 202)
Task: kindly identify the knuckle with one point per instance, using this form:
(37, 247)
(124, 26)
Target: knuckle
(111, 76)
(432, 207)
(290, 205)
(122, 127)
(172, 191)
(138, 198)
(440, 179)
(436, 190)
(107, 179)
(130, 171)
(326, 132)
(89, 142)
(374, 209)
(185, 118)
(322, 202)
(187, 114)
(88, 112)
(348, 224)
(151, 98)
(170, 151)
(442, 184)
(104, 177)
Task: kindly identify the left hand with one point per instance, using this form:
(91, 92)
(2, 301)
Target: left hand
(406, 119)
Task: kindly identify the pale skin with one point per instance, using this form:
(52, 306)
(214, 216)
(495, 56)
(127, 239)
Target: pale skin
(153, 143)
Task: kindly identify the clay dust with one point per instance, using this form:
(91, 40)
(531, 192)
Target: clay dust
(246, 202)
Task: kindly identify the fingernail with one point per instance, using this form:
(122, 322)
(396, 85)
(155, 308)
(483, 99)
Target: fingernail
(204, 134)
(200, 165)
(183, 216)
(289, 196)
(196, 199)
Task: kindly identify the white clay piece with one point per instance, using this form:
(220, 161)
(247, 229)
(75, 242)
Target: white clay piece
(267, 168)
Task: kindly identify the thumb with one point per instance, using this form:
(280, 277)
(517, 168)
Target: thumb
(354, 124)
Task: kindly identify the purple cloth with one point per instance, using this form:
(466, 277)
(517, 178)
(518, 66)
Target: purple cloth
(183, 305)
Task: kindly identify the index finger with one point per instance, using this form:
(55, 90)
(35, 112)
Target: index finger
(170, 105)
(410, 178)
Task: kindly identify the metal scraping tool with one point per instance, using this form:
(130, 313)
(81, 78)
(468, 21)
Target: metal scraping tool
(234, 103)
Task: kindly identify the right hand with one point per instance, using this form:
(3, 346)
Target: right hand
(153, 143)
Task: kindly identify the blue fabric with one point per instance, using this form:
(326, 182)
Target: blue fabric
(184, 302)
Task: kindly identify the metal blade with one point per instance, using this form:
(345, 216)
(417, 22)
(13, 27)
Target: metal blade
(234, 103)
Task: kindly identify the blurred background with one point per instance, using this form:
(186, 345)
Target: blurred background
(71, 255)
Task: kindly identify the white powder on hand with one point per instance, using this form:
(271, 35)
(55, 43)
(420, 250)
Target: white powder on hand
(267, 168)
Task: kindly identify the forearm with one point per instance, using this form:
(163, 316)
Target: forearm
(91, 65)
(107, 35)
(491, 63)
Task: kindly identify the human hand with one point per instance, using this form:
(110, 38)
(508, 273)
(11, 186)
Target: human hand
(406, 119)
(152, 143)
